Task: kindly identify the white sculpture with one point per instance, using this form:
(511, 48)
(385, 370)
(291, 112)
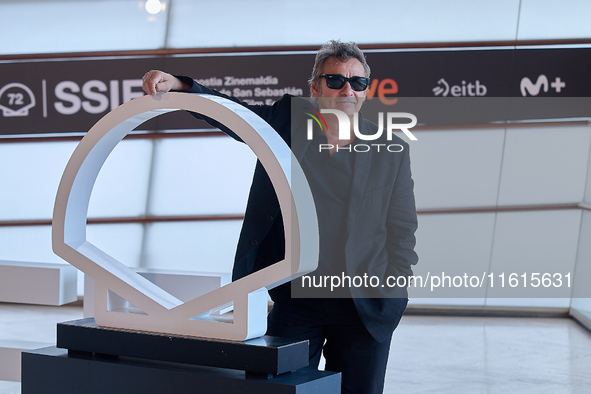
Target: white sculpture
(160, 311)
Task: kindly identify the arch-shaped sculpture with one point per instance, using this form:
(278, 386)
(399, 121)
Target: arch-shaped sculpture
(162, 312)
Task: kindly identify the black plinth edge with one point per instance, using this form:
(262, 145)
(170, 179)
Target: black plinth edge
(260, 356)
(55, 371)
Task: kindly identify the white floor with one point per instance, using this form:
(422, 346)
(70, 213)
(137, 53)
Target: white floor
(489, 355)
(429, 354)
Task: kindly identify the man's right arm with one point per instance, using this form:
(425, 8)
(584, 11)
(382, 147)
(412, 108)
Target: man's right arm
(155, 81)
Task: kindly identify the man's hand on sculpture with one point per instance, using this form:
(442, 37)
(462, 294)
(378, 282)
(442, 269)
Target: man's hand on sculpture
(155, 81)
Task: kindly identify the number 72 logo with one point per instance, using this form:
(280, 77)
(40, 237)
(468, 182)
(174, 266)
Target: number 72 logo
(16, 99)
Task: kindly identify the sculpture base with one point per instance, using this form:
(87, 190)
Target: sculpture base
(93, 359)
(51, 370)
(264, 355)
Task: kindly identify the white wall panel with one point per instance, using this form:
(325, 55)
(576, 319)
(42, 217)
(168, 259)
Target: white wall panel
(121, 188)
(545, 165)
(457, 168)
(192, 246)
(27, 243)
(210, 175)
(551, 19)
(29, 178)
(582, 306)
(122, 241)
(582, 289)
(453, 244)
(587, 196)
(533, 242)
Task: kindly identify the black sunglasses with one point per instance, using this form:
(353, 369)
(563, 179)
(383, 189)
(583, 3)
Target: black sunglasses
(337, 81)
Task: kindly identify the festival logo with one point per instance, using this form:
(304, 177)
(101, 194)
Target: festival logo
(16, 99)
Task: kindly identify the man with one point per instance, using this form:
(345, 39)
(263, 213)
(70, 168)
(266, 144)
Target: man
(366, 215)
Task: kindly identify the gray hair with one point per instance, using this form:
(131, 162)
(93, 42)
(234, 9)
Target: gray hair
(341, 51)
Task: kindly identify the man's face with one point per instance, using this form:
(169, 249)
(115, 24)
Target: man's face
(345, 98)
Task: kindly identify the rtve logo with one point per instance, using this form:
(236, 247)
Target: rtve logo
(381, 88)
(527, 86)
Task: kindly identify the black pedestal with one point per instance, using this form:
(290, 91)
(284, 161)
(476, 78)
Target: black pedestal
(93, 359)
